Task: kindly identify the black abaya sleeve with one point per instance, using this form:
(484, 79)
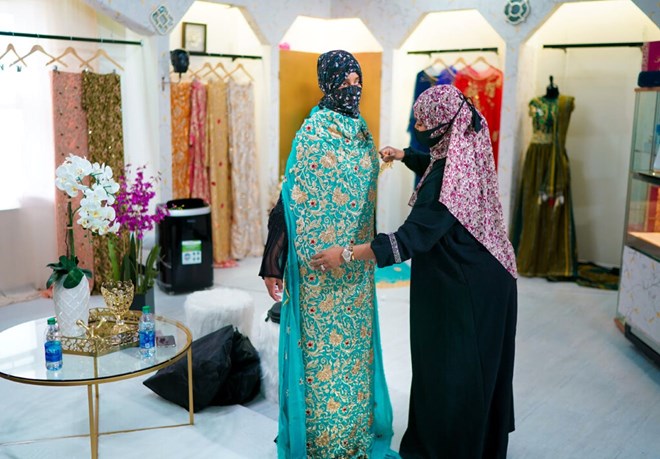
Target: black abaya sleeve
(416, 161)
(275, 252)
(428, 221)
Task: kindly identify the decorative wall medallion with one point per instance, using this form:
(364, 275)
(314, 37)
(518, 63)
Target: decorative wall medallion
(516, 11)
(162, 20)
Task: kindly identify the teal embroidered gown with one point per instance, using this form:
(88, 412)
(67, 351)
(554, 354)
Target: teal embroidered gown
(333, 397)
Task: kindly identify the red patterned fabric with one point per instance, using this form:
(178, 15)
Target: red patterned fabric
(199, 165)
(485, 90)
(70, 129)
(469, 187)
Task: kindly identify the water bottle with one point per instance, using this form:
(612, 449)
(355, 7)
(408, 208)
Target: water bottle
(147, 331)
(53, 346)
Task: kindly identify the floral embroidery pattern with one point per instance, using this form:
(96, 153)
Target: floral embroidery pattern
(180, 101)
(333, 203)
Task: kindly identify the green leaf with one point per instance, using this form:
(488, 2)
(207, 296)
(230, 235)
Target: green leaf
(128, 268)
(151, 269)
(73, 278)
(69, 264)
(86, 272)
(114, 260)
(54, 277)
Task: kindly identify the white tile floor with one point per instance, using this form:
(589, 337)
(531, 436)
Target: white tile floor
(581, 389)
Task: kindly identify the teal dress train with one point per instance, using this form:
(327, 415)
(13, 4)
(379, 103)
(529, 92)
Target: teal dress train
(333, 396)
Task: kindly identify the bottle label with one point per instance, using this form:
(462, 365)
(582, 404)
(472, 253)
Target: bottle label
(53, 351)
(147, 339)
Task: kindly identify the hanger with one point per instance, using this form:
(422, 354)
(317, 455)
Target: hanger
(219, 66)
(36, 48)
(460, 60)
(213, 71)
(240, 67)
(101, 52)
(481, 59)
(66, 52)
(10, 47)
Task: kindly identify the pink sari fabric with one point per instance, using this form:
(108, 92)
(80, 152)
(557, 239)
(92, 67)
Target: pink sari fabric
(70, 128)
(199, 165)
(469, 187)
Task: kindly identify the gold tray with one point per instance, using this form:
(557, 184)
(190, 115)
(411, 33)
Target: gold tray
(104, 338)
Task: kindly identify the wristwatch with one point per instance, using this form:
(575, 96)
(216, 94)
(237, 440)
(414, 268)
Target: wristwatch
(347, 254)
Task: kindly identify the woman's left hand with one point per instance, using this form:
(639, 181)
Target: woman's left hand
(328, 259)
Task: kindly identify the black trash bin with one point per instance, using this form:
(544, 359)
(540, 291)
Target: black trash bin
(184, 237)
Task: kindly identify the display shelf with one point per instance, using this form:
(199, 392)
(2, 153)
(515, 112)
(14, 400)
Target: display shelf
(652, 178)
(639, 289)
(647, 243)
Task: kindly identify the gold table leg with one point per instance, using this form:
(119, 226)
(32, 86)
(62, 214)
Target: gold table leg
(93, 422)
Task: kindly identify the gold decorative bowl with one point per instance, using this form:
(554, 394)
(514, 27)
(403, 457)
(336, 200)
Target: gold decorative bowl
(118, 296)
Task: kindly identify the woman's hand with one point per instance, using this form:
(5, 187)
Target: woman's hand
(388, 154)
(274, 287)
(328, 259)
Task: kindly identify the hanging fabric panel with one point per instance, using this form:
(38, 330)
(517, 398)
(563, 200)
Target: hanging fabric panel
(101, 100)
(70, 129)
(180, 109)
(219, 171)
(485, 90)
(199, 172)
(246, 239)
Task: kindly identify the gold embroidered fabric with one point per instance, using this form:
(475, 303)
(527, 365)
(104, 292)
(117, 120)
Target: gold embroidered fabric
(219, 170)
(332, 202)
(101, 100)
(70, 129)
(180, 109)
(199, 176)
(246, 238)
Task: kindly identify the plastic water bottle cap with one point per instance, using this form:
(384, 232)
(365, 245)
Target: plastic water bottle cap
(52, 321)
(146, 309)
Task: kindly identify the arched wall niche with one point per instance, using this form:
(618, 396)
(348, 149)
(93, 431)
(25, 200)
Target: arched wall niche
(602, 80)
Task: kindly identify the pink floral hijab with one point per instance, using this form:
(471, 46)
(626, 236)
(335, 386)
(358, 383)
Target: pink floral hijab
(469, 187)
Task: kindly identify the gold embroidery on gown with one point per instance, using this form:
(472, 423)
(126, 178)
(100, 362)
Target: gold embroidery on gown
(246, 237)
(219, 176)
(102, 103)
(180, 109)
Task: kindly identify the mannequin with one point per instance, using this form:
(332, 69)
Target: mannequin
(543, 230)
(552, 91)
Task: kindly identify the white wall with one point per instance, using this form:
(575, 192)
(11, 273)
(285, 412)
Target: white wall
(599, 136)
(28, 233)
(318, 35)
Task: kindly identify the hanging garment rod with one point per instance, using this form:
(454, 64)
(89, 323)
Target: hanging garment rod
(458, 50)
(232, 56)
(630, 44)
(70, 38)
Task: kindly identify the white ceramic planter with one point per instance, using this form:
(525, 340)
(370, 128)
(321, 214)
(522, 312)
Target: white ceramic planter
(71, 304)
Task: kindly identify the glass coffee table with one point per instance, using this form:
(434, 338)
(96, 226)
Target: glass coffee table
(22, 360)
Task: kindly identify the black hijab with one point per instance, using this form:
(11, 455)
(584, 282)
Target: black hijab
(333, 67)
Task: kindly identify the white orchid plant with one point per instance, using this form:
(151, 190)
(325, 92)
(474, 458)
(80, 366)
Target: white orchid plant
(95, 213)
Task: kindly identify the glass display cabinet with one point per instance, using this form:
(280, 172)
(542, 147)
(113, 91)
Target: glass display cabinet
(639, 291)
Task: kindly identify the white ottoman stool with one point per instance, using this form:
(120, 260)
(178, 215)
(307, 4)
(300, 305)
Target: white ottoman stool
(210, 310)
(265, 338)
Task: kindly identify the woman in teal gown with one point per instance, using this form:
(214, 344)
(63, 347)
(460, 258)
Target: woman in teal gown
(333, 397)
